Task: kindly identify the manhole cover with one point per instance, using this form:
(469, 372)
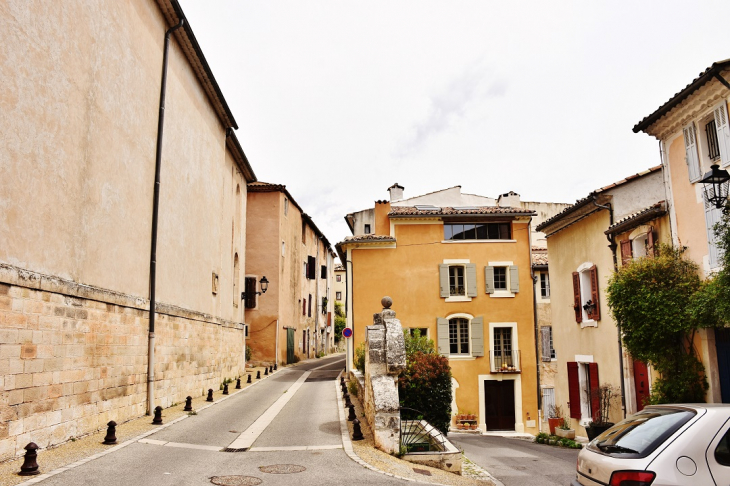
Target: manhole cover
(235, 480)
(282, 469)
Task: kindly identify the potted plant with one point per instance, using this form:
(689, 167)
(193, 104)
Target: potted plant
(606, 396)
(555, 418)
(565, 431)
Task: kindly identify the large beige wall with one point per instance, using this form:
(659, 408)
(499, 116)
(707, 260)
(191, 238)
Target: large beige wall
(80, 101)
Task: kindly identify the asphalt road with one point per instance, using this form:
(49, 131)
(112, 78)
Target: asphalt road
(192, 451)
(517, 462)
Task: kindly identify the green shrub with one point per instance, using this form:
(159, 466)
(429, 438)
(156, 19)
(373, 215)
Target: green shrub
(415, 343)
(353, 388)
(425, 386)
(360, 358)
(249, 353)
(340, 324)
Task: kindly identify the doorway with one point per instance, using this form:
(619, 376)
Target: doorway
(290, 346)
(499, 404)
(722, 346)
(641, 384)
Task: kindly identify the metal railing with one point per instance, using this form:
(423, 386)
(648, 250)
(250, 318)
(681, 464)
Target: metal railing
(417, 435)
(505, 361)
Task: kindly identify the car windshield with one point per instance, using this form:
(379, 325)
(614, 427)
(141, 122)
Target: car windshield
(640, 434)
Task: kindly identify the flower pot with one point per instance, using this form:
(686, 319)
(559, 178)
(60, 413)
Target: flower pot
(567, 433)
(553, 423)
(594, 430)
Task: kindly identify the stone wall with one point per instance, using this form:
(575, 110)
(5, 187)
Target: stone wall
(385, 358)
(69, 364)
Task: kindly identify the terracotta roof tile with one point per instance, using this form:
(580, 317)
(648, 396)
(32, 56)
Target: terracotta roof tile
(638, 218)
(367, 238)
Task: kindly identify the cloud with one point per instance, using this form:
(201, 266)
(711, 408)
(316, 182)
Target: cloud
(451, 104)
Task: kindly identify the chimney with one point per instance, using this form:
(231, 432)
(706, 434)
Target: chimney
(509, 200)
(396, 192)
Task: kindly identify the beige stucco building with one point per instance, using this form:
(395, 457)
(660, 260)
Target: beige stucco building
(694, 133)
(294, 318)
(585, 243)
(80, 102)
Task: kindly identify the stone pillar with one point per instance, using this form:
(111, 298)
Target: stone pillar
(385, 358)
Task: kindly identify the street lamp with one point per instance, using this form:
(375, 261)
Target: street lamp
(716, 186)
(264, 286)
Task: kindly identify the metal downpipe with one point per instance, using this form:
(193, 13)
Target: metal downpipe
(155, 216)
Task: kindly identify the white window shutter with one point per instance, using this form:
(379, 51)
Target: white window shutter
(477, 336)
(444, 280)
(442, 337)
(712, 217)
(471, 280)
(690, 147)
(489, 279)
(545, 343)
(514, 279)
(723, 132)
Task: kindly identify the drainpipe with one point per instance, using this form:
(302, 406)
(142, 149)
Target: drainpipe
(534, 317)
(613, 246)
(155, 213)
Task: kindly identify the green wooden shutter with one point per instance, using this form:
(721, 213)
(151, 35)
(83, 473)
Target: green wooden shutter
(477, 336)
(489, 279)
(442, 336)
(471, 280)
(444, 280)
(514, 279)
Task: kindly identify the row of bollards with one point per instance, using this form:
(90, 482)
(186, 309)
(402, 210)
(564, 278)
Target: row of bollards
(352, 417)
(30, 460)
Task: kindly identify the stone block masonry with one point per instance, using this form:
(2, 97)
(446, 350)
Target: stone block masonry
(72, 358)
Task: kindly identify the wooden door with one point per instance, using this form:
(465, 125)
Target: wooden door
(499, 404)
(641, 384)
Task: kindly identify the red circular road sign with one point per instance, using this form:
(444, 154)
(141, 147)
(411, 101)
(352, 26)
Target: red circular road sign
(347, 332)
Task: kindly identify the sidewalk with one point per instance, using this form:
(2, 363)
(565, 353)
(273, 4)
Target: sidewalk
(79, 450)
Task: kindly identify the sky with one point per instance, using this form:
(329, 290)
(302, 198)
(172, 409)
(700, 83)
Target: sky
(340, 99)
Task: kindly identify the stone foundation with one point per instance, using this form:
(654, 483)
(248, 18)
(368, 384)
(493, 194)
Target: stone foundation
(70, 364)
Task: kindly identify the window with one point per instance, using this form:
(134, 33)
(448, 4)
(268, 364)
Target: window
(250, 286)
(311, 268)
(544, 285)
(477, 231)
(286, 206)
(546, 343)
(323, 271)
(458, 280)
(502, 279)
(690, 149)
(583, 390)
(338, 278)
(722, 451)
(713, 149)
(585, 295)
(639, 244)
(460, 335)
(367, 229)
(309, 307)
(338, 296)
(503, 358)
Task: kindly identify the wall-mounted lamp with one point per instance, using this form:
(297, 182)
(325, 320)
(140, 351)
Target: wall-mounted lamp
(264, 282)
(716, 186)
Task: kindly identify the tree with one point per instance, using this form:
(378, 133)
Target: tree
(655, 300)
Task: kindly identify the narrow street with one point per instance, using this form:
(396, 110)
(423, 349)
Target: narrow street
(288, 422)
(518, 462)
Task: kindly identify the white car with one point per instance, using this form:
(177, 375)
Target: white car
(663, 445)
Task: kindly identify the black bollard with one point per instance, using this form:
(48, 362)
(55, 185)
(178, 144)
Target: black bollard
(266, 372)
(271, 369)
(111, 433)
(238, 383)
(258, 374)
(347, 401)
(225, 388)
(275, 367)
(344, 388)
(356, 432)
(210, 395)
(30, 466)
(158, 415)
(188, 404)
(352, 415)
(248, 380)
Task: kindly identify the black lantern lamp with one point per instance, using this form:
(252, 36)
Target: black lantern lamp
(716, 186)
(264, 282)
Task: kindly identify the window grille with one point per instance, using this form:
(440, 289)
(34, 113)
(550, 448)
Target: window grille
(713, 149)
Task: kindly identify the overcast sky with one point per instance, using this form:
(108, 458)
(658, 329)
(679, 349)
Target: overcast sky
(340, 99)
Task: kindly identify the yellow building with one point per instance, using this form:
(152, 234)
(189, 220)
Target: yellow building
(458, 267)
(586, 242)
(694, 134)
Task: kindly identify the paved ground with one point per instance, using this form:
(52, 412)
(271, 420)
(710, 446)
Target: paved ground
(519, 462)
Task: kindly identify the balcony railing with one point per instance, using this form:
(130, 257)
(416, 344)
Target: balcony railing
(505, 361)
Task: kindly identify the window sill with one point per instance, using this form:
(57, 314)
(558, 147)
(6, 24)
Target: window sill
(455, 357)
(501, 293)
(458, 298)
(589, 323)
(478, 241)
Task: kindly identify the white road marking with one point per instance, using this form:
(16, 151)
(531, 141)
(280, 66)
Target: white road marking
(296, 448)
(180, 445)
(249, 436)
